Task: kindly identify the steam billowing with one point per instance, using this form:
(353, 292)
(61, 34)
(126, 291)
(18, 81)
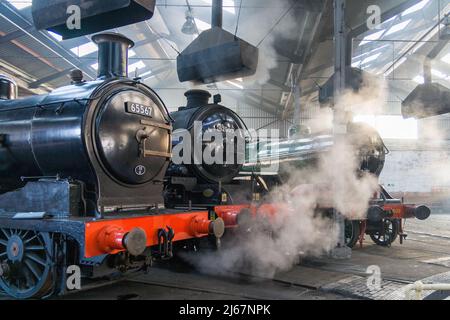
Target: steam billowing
(274, 243)
(263, 28)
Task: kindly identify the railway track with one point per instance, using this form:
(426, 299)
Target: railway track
(179, 280)
(235, 286)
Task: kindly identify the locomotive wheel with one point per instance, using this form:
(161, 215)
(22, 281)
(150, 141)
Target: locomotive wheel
(352, 231)
(385, 239)
(26, 263)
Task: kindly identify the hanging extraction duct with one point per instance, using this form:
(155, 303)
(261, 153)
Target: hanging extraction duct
(216, 54)
(427, 100)
(430, 98)
(76, 18)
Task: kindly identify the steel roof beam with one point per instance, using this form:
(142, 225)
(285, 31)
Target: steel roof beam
(10, 14)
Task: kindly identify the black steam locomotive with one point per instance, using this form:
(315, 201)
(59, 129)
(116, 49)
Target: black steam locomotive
(81, 179)
(192, 181)
(113, 135)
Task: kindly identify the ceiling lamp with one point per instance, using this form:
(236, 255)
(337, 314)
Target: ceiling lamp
(189, 26)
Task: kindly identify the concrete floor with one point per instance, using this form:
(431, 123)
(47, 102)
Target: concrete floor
(424, 255)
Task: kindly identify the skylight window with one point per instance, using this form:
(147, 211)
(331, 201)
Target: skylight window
(391, 126)
(202, 25)
(20, 4)
(371, 58)
(398, 27)
(228, 5)
(55, 36)
(362, 60)
(372, 37)
(136, 66)
(145, 74)
(415, 7)
(356, 64)
(390, 20)
(85, 49)
(236, 84)
(446, 58)
(419, 79)
(398, 64)
(438, 74)
(377, 49)
(418, 46)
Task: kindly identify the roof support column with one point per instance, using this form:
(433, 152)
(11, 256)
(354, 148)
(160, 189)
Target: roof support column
(341, 251)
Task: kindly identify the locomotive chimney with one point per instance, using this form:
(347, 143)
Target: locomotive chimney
(8, 88)
(197, 98)
(112, 54)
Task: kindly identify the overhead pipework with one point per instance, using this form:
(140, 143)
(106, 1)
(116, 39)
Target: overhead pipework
(217, 14)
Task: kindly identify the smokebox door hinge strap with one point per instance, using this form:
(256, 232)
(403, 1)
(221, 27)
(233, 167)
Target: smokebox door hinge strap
(143, 135)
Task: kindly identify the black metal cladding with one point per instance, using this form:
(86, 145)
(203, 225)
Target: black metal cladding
(96, 15)
(8, 88)
(40, 141)
(112, 54)
(56, 198)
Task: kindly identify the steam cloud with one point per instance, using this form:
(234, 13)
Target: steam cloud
(258, 30)
(274, 243)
